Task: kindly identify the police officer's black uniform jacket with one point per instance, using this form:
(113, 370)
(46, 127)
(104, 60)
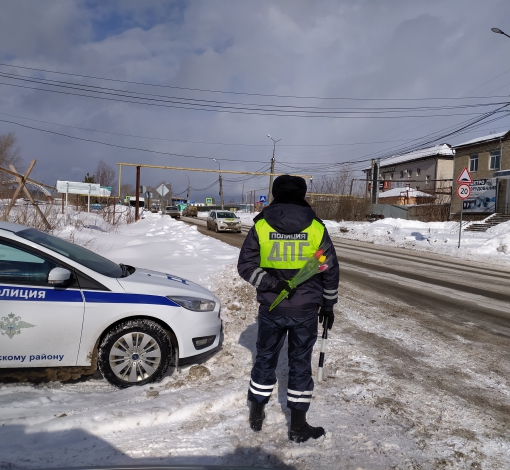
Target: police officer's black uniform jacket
(295, 318)
(322, 289)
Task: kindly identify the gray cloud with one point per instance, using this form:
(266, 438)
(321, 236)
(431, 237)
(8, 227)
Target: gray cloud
(363, 49)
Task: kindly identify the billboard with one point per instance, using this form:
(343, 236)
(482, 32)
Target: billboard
(482, 197)
(74, 187)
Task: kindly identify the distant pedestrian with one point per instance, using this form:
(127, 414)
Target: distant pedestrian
(284, 235)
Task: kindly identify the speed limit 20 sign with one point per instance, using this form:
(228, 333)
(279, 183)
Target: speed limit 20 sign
(464, 191)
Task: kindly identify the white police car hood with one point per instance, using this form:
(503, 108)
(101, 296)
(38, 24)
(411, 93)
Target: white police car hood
(145, 281)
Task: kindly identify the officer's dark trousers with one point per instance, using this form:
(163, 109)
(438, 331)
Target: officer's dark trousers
(302, 335)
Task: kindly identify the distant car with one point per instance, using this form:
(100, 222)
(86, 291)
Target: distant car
(154, 209)
(220, 221)
(374, 217)
(190, 211)
(173, 211)
(96, 207)
(62, 305)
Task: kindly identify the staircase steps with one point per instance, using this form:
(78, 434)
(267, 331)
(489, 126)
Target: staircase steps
(489, 222)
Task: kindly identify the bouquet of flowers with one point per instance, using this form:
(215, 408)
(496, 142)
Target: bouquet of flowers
(314, 265)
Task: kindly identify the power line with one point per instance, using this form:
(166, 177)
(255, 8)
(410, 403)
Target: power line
(193, 141)
(240, 93)
(199, 102)
(256, 109)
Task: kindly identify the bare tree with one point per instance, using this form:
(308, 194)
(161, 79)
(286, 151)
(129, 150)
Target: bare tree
(340, 198)
(9, 153)
(105, 174)
(126, 189)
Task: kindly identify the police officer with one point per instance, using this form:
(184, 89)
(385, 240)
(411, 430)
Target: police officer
(285, 234)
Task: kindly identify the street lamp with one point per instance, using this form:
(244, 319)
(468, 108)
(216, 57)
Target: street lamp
(270, 194)
(221, 184)
(498, 31)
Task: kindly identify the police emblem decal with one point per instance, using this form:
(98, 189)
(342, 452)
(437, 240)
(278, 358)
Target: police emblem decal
(11, 325)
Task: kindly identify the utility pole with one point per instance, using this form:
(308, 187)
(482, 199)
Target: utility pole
(137, 202)
(221, 192)
(221, 183)
(187, 194)
(270, 193)
(377, 165)
(375, 182)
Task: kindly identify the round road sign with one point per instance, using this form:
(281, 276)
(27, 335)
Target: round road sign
(464, 191)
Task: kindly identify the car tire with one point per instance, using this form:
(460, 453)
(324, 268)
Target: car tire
(216, 228)
(135, 352)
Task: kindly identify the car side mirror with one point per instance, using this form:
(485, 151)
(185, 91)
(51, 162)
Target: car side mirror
(59, 276)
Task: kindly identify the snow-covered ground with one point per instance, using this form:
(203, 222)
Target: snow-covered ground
(492, 246)
(376, 417)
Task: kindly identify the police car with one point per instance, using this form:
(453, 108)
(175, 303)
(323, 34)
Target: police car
(64, 305)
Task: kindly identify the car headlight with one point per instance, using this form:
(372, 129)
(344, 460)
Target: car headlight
(193, 303)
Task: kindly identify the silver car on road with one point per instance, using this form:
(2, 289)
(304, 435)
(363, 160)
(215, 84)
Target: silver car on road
(220, 220)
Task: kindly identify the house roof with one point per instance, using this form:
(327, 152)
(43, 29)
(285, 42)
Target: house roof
(396, 192)
(486, 138)
(443, 149)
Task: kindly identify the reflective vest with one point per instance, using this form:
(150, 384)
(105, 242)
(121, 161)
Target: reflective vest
(287, 251)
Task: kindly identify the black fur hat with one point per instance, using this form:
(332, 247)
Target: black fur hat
(288, 188)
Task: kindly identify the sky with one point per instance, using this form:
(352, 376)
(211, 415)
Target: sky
(181, 83)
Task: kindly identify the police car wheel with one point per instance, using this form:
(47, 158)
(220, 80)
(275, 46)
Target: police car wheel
(135, 352)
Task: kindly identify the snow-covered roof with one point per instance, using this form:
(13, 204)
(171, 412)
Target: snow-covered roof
(396, 192)
(485, 138)
(443, 149)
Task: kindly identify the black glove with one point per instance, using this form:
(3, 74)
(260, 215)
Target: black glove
(285, 285)
(326, 312)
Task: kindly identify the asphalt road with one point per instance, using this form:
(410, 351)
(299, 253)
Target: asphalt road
(454, 289)
(438, 329)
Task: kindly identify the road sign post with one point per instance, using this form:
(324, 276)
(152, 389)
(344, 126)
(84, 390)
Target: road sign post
(463, 191)
(162, 190)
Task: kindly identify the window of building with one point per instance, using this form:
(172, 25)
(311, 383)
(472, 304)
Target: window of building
(494, 161)
(473, 163)
(418, 171)
(401, 174)
(427, 179)
(409, 173)
(391, 176)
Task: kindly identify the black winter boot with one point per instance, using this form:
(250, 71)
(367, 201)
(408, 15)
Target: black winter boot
(257, 416)
(300, 430)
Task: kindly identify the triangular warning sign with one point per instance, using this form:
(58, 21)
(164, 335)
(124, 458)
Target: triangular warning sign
(465, 176)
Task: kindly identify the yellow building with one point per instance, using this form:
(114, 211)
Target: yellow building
(488, 161)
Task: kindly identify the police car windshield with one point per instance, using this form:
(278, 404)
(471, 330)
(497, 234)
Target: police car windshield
(74, 252)
(226, 215)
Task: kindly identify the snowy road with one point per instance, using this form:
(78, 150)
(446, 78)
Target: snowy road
(478, 290)
(423, 339)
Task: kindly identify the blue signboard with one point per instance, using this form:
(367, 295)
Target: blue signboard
(263, 199)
